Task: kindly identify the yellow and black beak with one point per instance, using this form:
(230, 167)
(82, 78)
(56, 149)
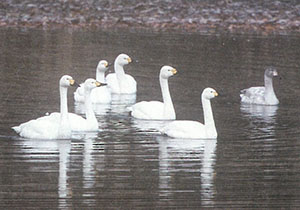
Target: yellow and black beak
(129, 60)
(73, 83)
(174, 71)
(216, 94)
(98, 84)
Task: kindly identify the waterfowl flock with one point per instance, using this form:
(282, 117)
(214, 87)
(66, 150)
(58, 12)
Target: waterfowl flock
(62, 125)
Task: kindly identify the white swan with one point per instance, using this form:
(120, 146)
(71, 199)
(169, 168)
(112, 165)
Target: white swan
(101, 95)
(156, 110)
(194, 129)
(77, 122)
(48, 127)
(261, 95)
(119, 82)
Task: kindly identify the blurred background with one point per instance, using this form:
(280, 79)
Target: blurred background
(241, 16)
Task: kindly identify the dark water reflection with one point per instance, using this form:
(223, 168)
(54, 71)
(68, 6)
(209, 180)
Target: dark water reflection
(254, 163)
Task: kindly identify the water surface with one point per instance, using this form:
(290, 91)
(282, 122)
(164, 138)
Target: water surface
(254, 163)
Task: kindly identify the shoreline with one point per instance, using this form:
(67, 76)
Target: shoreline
(204, 16)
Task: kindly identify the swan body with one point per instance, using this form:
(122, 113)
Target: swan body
(79, 123)
(49, 127)
(193, 129)
(119, 82)
(156, 110)
(101, 95)
(261, 95)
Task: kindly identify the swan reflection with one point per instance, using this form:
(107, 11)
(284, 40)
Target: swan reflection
(89, 167)
(200, 154)
(127, 99)
(148, 126)
(99, 109)
(259, 115)
(42, 150)
(121, 102)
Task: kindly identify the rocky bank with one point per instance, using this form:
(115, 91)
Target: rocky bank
(240, 16)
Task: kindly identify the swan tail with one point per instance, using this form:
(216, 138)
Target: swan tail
(129, 108)
(17, 129)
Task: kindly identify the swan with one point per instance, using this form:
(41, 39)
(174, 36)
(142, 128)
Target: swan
(47, 127)
(119, 82)
(101, 95)
(79, 123)
(261, 95)
(156, 110)
(193, 129)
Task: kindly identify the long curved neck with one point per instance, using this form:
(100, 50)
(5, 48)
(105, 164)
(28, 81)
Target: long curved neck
(63, 103)
(169, 111)
(270, 96)
(269, 84)
(100, 76)
(89, 112)
(119, 71)
(209, 122)
(64, 130)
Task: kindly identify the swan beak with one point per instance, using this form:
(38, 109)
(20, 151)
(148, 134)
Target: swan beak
(72, 82)
(174, 71)
(106, 65)
(98, 84)
(216, 94)
(129, 60)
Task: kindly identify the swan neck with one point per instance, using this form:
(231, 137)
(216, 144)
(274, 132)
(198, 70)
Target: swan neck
(100, 76)
(269, 96)
(63, 103)
(169, 111)
(89, 112)
(119, 70)
(208, 116)
(269, 84)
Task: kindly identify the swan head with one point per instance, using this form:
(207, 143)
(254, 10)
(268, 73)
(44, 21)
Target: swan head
(102, 66)
(167, 71)
(271, 72)
(90, 84)
(123, 59)
(66, 81)
(209, 93)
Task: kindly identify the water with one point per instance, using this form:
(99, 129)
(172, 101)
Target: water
(254, 163)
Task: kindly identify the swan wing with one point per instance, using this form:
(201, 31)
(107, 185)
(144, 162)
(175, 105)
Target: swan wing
(128, 84)
(149, 110)
(253, 95)
(184, 129)
(112, 83)
(77, 122)
(101, 95)
(40, 128)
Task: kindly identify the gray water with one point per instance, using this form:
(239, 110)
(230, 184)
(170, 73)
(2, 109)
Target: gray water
(254, 163)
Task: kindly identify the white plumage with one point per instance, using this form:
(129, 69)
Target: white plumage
(60, 125)
(261, 95)
(193, 129)
(50, 127)
(78, 123)
(119, 82)
(156, 110)
(101, 95)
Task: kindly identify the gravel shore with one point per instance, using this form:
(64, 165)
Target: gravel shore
(239, 16)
